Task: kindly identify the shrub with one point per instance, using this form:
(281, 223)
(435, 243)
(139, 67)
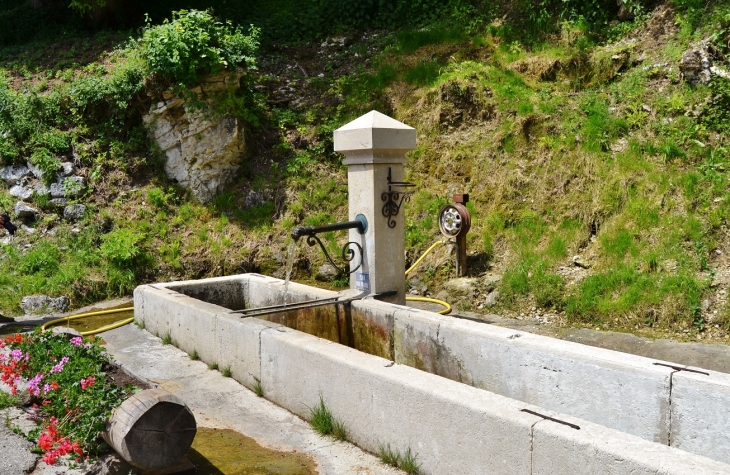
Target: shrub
(194, 44)
(122, 247)
(63, 374)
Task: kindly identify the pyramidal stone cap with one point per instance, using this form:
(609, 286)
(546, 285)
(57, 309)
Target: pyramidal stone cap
(374, 135)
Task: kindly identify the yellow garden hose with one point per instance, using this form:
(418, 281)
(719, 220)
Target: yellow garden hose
(428, 251)
(447, 307)
(91, 314)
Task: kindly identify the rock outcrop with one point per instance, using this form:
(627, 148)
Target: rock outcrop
(203, 152)
(698, 63)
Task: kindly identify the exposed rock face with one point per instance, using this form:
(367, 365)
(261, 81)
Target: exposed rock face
(203, 152)
(698, 63)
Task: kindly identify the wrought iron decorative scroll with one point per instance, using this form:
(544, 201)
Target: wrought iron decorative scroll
(348, 253)
(395, 198)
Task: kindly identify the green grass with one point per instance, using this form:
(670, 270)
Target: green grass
(167, 339)
(6, 400)
(388, 455)
(405, 461)
(226, 372)
(409, 41)
(194, 355)
(321, 418)
(258, 389)
(408, 462)
(322, 421)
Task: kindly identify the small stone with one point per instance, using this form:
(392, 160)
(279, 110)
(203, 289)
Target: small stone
(58, 202)
(41, 189)
(24, 210)
(66, 169)
(491, 299)
(74, 186)
(74, 212)
(75, 231)
(65, 331)
(57, 190)
(12, 174)
(578, 262)
(462, 287)
(37, 172)
(327, 273)
(32, 304)
(20, 192)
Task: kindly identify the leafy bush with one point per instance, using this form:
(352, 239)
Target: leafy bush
(86, 6)
(194, 44)
(43, 259)
(717, 113)
(107, 97)
(122, 247)
(67, 377)
(46, 162)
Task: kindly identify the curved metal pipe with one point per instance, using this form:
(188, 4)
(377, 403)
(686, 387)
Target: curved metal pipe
(360, 224)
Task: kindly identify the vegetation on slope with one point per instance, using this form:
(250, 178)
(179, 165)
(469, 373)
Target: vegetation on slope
(573, 135)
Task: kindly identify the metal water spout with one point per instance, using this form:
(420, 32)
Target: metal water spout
(349, 251)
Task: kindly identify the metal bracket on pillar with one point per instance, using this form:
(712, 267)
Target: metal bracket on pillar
(394, 198)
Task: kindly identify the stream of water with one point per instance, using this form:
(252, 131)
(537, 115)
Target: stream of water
(290, 255)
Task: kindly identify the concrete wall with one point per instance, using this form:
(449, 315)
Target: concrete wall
(628, 393)
(452, 427)
(597, 450)
(700, 421)
(228, 292)
(613, 389)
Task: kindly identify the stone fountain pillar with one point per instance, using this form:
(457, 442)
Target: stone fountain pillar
(375, 146)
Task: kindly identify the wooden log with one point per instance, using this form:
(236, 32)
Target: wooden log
(151, 430)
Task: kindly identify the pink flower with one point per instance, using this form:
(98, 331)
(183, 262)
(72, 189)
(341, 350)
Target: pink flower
(34, 383)
(77, 340)
(59, 367)
(88, 382)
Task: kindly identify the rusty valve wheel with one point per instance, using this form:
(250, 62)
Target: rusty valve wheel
(454, 220)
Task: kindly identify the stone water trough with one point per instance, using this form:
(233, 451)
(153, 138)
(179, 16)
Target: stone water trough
(465, 396)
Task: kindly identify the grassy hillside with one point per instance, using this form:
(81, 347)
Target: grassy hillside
(579, 142)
